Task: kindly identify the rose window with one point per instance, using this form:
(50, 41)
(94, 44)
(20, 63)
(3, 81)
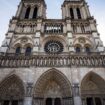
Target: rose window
(53, 47)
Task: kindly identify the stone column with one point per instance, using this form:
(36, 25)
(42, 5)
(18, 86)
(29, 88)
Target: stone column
(0, 102)
(75, 13)
(84, 13)
(76, 94)
(41, 11)
(66, 11)
(87, 10)
(63, 12)
(69, 36)
(103, 101)
(19, 10)
(31, 12)
(53, 100)
(28, 96)
(22, 16)
(37, 37)
(36, 42)
(83, 102)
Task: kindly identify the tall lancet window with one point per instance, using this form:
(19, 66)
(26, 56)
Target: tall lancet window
(35, 13)
(27, 13)
(28, 51)
(18, 50)
(78, 13)
(71, 13)
(78, 48)
(87, 49)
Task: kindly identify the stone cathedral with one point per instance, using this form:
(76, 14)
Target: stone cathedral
(52, 61)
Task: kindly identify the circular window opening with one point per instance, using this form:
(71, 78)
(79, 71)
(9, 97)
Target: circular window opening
(53, 47)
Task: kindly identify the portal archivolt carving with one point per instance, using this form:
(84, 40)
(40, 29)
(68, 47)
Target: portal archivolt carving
(53, 90)
(48, 80)
(12, 87)
(52, 85)
(93, 89)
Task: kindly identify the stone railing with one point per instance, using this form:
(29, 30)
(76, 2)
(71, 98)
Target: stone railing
(26, 27)
(53, 27)
(81, 27)
(62, 60)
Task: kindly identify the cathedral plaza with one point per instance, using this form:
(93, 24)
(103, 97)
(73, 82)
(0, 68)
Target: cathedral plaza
(52, 61)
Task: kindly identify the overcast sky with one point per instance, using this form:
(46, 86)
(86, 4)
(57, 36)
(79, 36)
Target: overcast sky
(8, 9)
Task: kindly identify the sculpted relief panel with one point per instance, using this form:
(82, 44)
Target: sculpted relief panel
(53, 90)
(11, 88)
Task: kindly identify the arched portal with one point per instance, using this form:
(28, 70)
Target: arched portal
(11, 91)
(93, 90)
(52, 88)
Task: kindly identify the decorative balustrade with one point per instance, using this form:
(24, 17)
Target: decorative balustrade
(26, 27)
(53, 28)
(82, 27)
(53, 60)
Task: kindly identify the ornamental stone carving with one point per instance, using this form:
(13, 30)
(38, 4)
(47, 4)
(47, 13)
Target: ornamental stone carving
(29, 89)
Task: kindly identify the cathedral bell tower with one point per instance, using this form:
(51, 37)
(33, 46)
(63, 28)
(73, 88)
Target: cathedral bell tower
(75, 9)
(27, 26)
(81, 27)
(31, 9)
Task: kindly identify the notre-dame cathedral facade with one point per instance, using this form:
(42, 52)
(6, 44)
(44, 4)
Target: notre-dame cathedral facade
(52, 61)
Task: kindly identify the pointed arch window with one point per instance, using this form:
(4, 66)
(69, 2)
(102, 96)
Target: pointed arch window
(78, 49)
(87, 49)
(28, 51)
(27, 13)
(35, 13)
(18, 50)
(78, 13)
(71, 13)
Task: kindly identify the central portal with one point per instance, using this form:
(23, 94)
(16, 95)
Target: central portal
(52, 88)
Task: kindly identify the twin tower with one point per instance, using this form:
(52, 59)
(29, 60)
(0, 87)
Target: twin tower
(33, 9)
(31, 31)
(52, 61)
